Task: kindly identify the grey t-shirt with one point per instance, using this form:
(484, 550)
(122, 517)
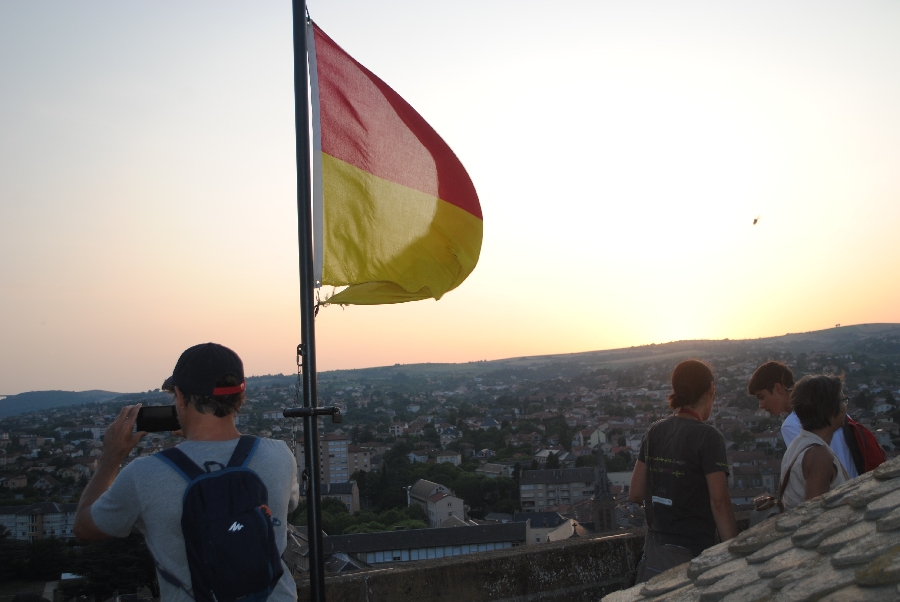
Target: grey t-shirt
(148, 494)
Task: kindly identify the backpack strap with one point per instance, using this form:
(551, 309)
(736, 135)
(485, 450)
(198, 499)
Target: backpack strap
(183, 465)
(245, 449)
(850, 439)
(172, 579)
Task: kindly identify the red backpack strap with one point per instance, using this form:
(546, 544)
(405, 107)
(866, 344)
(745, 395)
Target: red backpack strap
(871, 455)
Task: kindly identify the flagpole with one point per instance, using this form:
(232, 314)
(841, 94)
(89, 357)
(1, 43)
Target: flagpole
(307, 350)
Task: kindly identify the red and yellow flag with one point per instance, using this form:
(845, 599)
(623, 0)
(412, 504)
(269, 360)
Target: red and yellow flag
(396, 214)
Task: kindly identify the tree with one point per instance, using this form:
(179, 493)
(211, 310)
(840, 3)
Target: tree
(45, 560)
(116, 565)
(552, 461)
(12, 555)
(616, 464)
(588, 460)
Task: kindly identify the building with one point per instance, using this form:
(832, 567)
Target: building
(333, 458)
(16, 482)
(542, 489)
(603, 504)
(539, 525)
(348, 493)
(449, 457)
(397, 428)
(417, 457)
(46, 483)
(448, 435)
(389, 547)
(39, 521)
(492, 471)
(360, 458)
(438, 501)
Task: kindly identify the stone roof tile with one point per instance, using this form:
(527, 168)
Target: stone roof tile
(676, 579)
(840, 547)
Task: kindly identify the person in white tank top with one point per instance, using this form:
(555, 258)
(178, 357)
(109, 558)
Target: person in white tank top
(820, 405)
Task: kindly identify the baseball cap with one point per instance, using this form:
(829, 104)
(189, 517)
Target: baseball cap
(200, 367)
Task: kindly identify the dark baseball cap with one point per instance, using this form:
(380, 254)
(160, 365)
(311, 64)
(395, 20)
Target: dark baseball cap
(200, 367)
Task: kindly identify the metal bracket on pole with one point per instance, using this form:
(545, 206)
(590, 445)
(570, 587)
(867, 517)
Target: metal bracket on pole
(336, 416)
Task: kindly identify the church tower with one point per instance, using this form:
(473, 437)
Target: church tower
(603, 504)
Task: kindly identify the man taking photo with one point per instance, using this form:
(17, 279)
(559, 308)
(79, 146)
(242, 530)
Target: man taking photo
(213, 509)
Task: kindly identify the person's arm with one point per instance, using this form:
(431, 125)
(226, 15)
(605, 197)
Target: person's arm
(118, 441)
(818, 470)
(638, 488)
(720, 502)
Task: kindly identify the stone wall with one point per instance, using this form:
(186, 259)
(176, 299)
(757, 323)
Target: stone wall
(573, 570)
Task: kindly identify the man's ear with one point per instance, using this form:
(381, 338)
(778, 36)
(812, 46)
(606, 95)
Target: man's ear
(778, 389)
(180, 401)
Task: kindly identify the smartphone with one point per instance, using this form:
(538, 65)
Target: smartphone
(154, 419)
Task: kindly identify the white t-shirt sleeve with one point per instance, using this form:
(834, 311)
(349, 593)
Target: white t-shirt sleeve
(790, 428)
(116, 511)
(840, 449)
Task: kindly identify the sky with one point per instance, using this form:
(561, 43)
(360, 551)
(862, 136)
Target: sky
(620, 150)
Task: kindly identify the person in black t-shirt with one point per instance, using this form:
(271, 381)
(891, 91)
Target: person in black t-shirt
(681, 475)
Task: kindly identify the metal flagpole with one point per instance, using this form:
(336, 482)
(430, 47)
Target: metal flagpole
(306, 352)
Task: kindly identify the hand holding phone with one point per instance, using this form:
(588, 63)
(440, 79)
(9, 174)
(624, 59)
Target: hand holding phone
(156, 419)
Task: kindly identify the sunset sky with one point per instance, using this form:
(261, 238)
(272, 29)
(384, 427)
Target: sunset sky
(621, 151)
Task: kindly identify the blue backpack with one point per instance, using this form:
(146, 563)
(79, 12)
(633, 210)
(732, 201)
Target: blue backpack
(228, 530)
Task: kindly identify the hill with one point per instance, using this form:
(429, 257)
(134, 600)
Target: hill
(844, 339)
(34, 401)
(862, 338)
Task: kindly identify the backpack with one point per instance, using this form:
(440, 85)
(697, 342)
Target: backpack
(228, 529)
(863, 446)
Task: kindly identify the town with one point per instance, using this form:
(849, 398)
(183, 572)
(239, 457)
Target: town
(530, 451)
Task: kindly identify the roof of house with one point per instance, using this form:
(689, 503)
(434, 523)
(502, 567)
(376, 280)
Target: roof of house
(424, 538)
(560, 475)
(337, 488)
(455, 521)
(839, 547)
(540, 520)
(489, 467)
(40, 508)
(422, 489)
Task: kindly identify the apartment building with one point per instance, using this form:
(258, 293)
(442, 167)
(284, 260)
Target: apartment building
(360, 458)
(334, 460)
(39, 521)
(542, 489)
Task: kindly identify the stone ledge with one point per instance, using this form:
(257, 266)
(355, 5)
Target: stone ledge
(569, 570)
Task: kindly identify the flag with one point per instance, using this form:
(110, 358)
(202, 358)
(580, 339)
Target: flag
(395, 215)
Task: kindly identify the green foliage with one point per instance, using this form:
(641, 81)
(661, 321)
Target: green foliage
(116, 565)
(336, 520)
(13, 554)
(552, 462)
(589, 460)
(616, 464)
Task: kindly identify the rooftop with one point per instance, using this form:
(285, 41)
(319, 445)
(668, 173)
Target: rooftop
(419, 538)
(839, 547)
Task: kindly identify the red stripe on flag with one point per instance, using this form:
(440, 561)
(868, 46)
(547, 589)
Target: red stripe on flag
(368, 125)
